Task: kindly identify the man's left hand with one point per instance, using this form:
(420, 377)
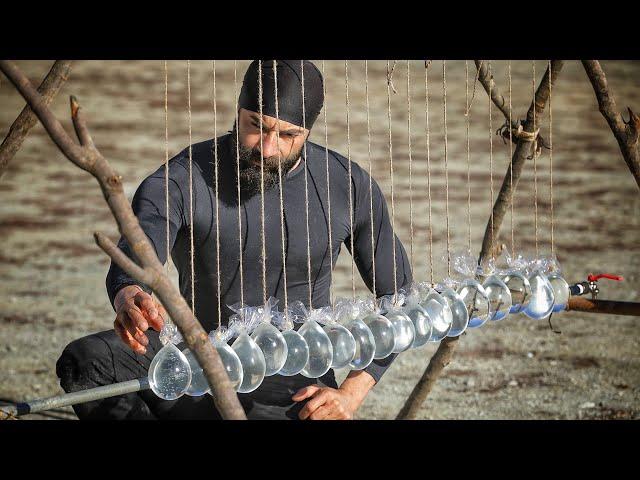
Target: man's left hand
(325, 403)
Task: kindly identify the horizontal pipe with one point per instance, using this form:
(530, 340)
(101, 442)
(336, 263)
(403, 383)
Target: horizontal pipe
(611, 307)
(74, 398)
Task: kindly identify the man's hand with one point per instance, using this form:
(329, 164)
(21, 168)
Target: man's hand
(326, 404)
(136, 311)
(335, 404)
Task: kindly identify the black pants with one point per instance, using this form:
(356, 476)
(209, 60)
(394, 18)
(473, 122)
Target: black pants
(103, 359)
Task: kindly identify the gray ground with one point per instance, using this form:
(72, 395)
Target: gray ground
(52, 287)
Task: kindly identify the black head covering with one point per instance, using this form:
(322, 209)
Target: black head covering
(289, 75)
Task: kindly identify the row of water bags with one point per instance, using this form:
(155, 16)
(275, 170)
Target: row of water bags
(354, 337)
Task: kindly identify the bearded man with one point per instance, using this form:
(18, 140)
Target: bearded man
(275, 138)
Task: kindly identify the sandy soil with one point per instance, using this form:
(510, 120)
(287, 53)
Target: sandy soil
(52, 287)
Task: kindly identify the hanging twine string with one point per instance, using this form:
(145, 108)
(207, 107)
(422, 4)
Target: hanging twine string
(491, 163)
(428, 143)
(373, 247)
(446, 162)
(410, 159)
(215, 155)
(551, 164)
(235, 91)
(467, 114)
(393, 210)
(262, 225)
(192, 254)
(473, 93)
(535, 166)
(353, 273)
(390, 76)
(166, 157)
(326, 151)
(284, 253)
(306, 191)
(468, 120)
(513, 192)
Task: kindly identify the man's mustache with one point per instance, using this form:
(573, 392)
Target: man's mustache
(254, 159)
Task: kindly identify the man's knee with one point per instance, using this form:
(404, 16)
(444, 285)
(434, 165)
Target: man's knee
(85, 363)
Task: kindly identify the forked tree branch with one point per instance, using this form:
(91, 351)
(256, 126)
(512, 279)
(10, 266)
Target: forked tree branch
(18, 131)
(498, 99)
(626, 133)
(442, 357)
(149, 271)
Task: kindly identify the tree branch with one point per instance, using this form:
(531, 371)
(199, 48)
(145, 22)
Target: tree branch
(491, 88)
(48, 89)
(89, 158)
(499, 101)
(444, 353)
(626, 133)
(520, 154)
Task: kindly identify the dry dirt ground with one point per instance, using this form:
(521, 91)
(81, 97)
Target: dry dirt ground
(52, 275)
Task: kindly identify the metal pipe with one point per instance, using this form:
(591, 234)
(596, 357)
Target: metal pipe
(73, 398)
(612, 307)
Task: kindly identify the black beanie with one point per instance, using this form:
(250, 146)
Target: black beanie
(289, 75)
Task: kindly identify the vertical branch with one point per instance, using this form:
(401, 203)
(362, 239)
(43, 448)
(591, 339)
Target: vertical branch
(442, 357)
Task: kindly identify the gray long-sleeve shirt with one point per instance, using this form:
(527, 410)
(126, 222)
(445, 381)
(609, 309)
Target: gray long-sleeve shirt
(149, 206)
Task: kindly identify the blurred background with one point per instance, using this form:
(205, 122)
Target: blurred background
(52, 274)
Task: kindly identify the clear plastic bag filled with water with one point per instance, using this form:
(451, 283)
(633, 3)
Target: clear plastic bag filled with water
(542, 299)
(520, 289)
(248, 351)
(403, 329)
(499, 297)
(365, 344)
(561, 291)
(440, 314)
(422, 323)
(297, 348)
(269, 339)
(298, 353)
(320, 348)
(230, 359)
(342, 342)
(198, 385)
(476, 300)
(460, 316)
(350, 312)
(383, 334)
(169, 373)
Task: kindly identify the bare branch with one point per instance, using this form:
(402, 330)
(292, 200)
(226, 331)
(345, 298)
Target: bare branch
(626, 133)
(27, 119)
(79, 124)
(633, 126)
(499, 101)
(122, 260)
(440, 359)
(444, 353)
(491, 88)
(520, 154)
(37, 103)
(90, 159)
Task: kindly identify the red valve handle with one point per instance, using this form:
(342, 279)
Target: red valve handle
(593, 278)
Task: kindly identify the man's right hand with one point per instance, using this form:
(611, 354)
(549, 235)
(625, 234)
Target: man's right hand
(136, 311)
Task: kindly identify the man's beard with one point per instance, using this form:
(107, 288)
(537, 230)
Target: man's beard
(251, 173)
